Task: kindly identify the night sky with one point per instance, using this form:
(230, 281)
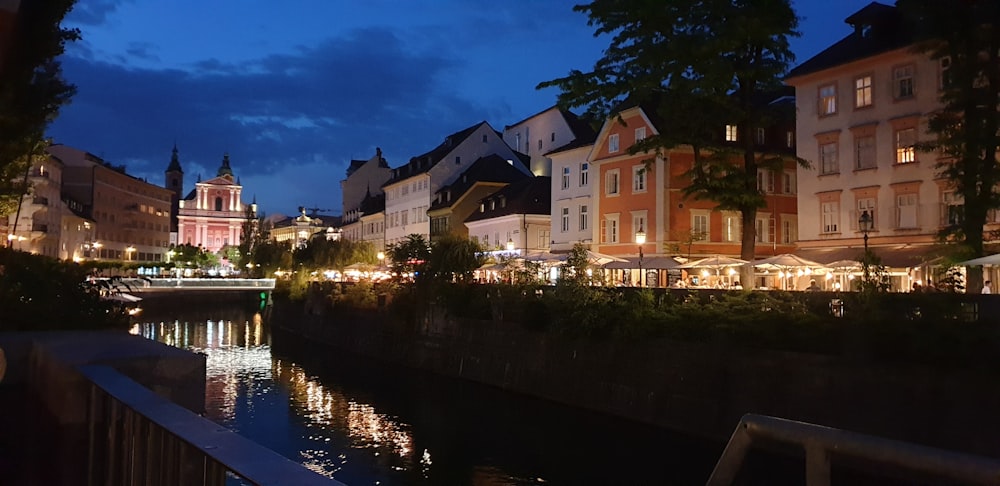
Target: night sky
(294, 90)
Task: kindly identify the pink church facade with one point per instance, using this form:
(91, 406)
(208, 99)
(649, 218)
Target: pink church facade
(212, 215)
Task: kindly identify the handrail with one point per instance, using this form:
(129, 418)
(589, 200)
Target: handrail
(819, 442)
(138, 437)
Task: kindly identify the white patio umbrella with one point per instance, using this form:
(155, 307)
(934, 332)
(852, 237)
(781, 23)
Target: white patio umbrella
(986, 260)
(716, 263)
(602, 259)
(844, 268)
(788, 263)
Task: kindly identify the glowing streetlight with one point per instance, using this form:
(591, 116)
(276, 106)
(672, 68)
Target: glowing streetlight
(640, 239)
(510, 244)
(128, 252)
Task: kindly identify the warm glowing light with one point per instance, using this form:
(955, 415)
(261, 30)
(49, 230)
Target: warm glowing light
(381, 256)
(732, 271)
(704, 273)
(510, 245)
(829, 276)
(836, 285)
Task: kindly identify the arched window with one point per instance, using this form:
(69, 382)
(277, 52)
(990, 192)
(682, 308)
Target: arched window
(218, 204)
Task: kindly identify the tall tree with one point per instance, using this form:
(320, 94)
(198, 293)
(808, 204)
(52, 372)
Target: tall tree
(455, 258)
(32, 89)
(700, 65)
(965, 37)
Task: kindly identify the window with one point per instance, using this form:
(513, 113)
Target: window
(864, 152)
(905, 139)
(458, 160)
(405, 215)
(789, 231)
(946, 76)
(730, 133)
(788, 182)
(539, 145)
(638, 179)
(584, 167)
(831, 217)
(863, 92)
(789, 139)
(584, 218)
(611, 183)
(764, 229)
(828, 100)
(906, 210)
(699, 226)
(765, 181)
(544, 237)
(565, 220)
(218, 204)
(552, 137)
(902, 81)
(609, 232)
(760, 136)
(828, 158)
(639, 222)
(866, 204)
(952, 210)
(565, 178)
(613, 143)
(484, 138)
(731, 227)
(640, 134)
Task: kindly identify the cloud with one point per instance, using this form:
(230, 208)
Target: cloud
(318, 107)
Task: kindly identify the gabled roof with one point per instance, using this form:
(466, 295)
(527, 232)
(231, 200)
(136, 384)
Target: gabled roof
(527, 196)
(357, 164)
(424, 162)
(491, 168)
(878, 28)
(372, 204)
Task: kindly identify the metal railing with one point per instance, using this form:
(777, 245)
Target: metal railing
(819, 442)
(209, 283)
(137, 437)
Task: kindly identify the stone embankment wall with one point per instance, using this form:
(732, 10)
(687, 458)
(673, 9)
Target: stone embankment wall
(700, 389)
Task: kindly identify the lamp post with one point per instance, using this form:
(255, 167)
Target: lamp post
(510, 244)
(865, 224)
(640, 239)
(128, 252)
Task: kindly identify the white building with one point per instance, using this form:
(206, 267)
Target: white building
(545, 132)
(514, 218)
(410, 187)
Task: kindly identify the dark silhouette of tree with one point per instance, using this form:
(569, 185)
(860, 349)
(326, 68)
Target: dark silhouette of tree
(967, 35)
(455, 258)
(32, 90)
(698, 65)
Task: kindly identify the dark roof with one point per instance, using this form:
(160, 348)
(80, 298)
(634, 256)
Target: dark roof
(175, 163)
(372, 204)
(527, 196)
(224, 169)
(355, 165)
(423, 162)
(878, 28)
(491, 168)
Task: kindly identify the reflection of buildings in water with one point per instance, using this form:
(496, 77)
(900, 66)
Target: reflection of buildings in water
(360, 422)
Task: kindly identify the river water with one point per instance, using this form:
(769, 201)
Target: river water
(363, 423)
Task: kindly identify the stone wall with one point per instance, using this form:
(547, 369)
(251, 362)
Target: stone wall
(700, 389)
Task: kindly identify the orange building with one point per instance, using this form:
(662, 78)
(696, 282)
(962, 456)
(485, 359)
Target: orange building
(646, 192)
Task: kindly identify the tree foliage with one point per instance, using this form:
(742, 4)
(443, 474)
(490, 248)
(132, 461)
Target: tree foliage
(709, 60)
(32, 90)
(410, 255)
(322, 254)
(967, 127)
(455, 258)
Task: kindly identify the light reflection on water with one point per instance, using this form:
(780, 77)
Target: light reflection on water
(246, 390)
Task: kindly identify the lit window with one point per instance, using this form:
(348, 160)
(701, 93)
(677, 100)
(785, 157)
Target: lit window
(613, 143)
(730, 133)
(731, 227)
(827, 100)
(905, 140)
(902, 80)
(863, 92)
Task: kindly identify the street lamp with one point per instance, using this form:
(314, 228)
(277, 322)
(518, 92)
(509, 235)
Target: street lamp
(510, 244)
(865, 224)
(640, 239)
(128, 252)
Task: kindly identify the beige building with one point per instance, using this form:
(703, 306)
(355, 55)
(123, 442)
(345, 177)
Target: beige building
(132, 217)
(863, 103)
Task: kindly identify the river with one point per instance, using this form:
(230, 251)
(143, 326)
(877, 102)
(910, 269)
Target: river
(368, 424)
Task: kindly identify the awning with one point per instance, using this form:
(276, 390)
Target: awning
(653, 262)
(896, 256)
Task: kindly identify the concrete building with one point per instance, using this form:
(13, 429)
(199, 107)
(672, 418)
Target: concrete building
(410, 187)
(572, 187)
(132, 217)
(515, 218)
(212, 214)
(363, 184)
(543, 133)
(646, 192)
(863, 103)
(455, 202)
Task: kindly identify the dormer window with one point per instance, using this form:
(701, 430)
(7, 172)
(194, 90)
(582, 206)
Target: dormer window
(493, 204)
(482, 207)
(730, 133)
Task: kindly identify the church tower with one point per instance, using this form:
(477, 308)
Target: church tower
(174, 180)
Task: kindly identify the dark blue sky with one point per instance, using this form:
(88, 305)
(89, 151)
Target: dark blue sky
(293, 90)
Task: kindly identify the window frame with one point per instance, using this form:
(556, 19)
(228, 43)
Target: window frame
(584, 174)
(639, 180)
(826, 102)
(613, 144)
(909, 76)
(864, 94)
(612, 183)
(828, 165)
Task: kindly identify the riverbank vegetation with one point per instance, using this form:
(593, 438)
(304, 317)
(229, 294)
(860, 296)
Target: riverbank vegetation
(42, 293)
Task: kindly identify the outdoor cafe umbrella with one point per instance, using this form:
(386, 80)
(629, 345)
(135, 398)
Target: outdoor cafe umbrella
(844, 267)
(602, 259)
(786, 263)
(716, 263)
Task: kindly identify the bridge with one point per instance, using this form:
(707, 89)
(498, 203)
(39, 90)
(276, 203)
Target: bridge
(142, 284)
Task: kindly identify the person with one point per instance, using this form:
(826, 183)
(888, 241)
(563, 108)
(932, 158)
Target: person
(813, 287)
(737, 286)
(917, 288)
(987, 289)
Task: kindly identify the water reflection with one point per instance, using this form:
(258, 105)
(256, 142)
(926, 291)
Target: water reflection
(365, 423)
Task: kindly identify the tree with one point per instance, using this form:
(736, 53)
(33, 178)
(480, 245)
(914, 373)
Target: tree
(967, 126)
(254, 231)
(410, 256)
(31, 90)
(455, 258)
(711, 60)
